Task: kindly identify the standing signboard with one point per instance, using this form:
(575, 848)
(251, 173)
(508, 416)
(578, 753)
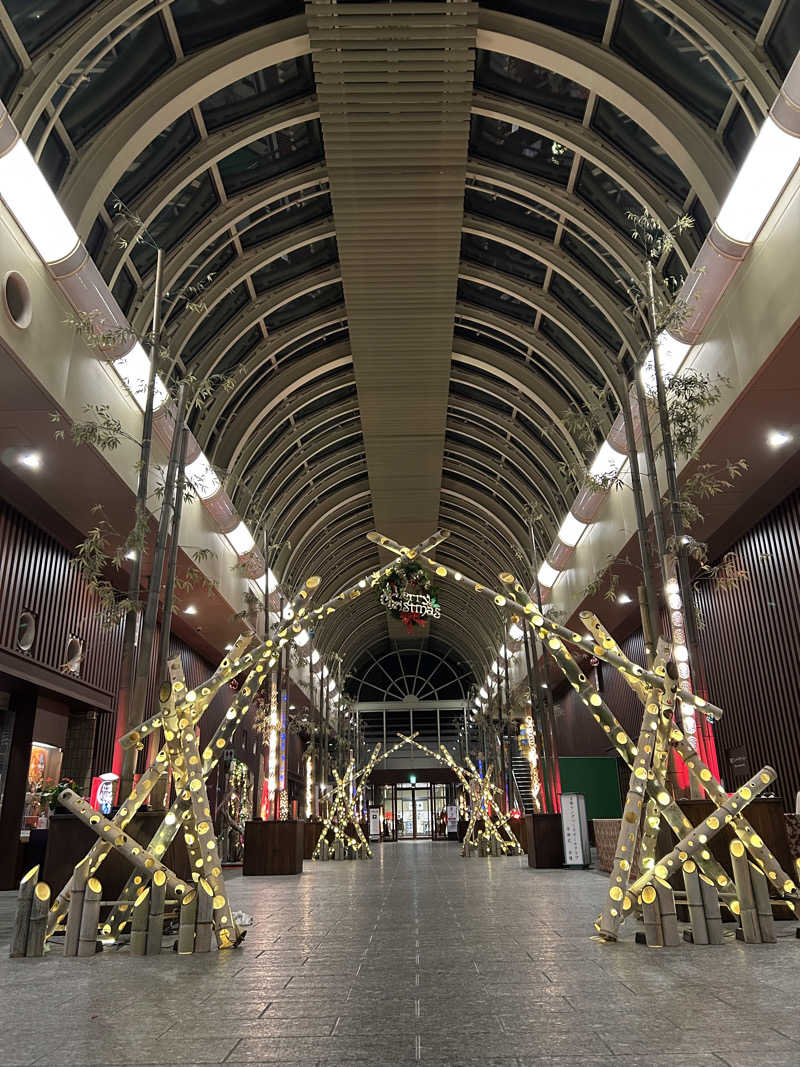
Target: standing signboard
(575, 830)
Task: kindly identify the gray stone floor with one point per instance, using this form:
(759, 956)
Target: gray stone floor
(416, 956)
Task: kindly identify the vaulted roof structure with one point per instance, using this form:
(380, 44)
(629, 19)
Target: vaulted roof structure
(409, 220)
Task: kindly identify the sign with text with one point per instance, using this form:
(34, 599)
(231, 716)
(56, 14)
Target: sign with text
(575, 830)
(413, 603)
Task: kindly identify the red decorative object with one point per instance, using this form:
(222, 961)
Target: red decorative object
(410, 620)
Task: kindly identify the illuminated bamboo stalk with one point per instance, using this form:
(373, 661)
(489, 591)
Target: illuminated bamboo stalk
(19, 937)
(37, 922)
(205, 917)
(155, 922)
(603, 715)
(699, 836)
(700, 773)
(186, 923)
(135, 853)
(745, 905)
(90, 917)
(766, 923)
(551, 629)
(651, 918)
(80, 877)
(140, 923)
(670, 934)
(712, 910)
(694, 903)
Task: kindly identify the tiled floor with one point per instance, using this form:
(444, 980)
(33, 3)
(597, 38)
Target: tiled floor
(416, 956)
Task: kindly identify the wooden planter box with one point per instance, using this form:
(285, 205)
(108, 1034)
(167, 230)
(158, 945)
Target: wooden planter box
(545, 844)
(273, 847)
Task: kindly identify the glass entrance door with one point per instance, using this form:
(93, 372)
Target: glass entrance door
(414, 812)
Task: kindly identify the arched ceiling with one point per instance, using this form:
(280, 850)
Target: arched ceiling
(202, 117)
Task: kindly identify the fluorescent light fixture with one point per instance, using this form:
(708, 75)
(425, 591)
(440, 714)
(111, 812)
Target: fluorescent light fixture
(504, 653)
(762, 176)
(204, 481)
(331, 686)
(134, 369)
(34, 205)
(775, 439)
(315, 656)
(607, 462)
(261, 582)
(477, 702)
(240, 539)
(515, 632)
(548, 575)
(570, 531)
(31, 460)
(325, 671)
(302, 638)
(190, 610)
(623, 598)
(494, 668)
(672, 353)
(484, 693)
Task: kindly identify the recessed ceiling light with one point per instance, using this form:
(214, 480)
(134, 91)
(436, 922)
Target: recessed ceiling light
(191, 610)
(229, 648)
(130, 555)
(778, 438)
(623, 598)
(31, 460)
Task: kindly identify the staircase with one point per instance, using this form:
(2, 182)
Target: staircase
(521, 771)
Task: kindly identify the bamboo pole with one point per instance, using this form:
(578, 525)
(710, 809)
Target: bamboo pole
(140, 922)
(37, 924)
(172, 557)
(155, 922)
(90, 917)
(205, 916)
(712, 911)
(699, 835)
(745, 906)
(77, 892)
(694, 902)
(651, 918)
(766, 923)
(19, 936)
(186, 923)
(669, 917)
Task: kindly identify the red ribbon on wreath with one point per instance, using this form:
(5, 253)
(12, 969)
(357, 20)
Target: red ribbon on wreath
(410, 619)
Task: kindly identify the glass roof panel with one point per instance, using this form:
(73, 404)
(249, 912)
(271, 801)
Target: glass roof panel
(594, 259)
(665, 55)
(293, 264)
(211, 324)
(238, 350)
(331, 336)
(512, 210)
(607, 196)
(307, 304)
(194, 281)
(54, 159)
(500, 73)
(571, 349)
(587, 18)
(154, 160)
(264, 89)
(738, 135)
(480, 336)
(36, 21)
(503, 258)
(481, 397)
(125, 70)
(585, 309)
(97, 235)
(203, 22)
(275, 154)
(702, 223)
(10, 69)
(749, 12)
(524, 149)
(639, 147)
(124, 289)
(783, 42)
(281, 216)
(194, 201)
(495, 300)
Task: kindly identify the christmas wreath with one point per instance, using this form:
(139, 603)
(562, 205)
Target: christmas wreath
(409, 594)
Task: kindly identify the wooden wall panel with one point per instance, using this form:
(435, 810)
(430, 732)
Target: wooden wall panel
(36, 575)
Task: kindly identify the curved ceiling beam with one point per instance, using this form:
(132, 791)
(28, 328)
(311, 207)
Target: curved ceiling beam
(560, 262)
(195, 162)
(311, 180)
(660, 203)
(110, 152)
(688, 142)
(480, 502)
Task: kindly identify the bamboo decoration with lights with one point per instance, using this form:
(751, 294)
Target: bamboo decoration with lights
(22, 918)
(140, 923)
(90, 918)
(37, 923)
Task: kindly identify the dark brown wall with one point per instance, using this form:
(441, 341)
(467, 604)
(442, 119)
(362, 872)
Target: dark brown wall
(36, 576)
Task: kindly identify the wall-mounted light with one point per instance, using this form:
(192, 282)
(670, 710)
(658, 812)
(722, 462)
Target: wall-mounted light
(31, 460)
(778, 438)
(571, 530)
(240, 539)
(548, 575)
(190, 610)
(623, 598)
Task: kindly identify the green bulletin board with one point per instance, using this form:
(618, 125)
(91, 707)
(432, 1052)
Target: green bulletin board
(595, 777)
